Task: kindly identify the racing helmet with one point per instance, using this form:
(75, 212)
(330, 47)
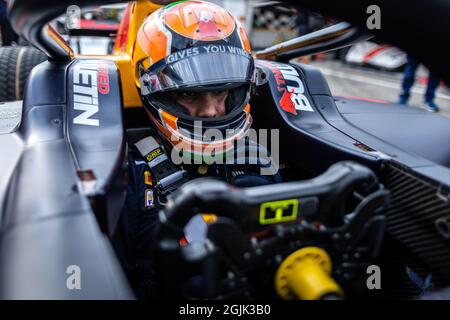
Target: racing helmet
(194, 46)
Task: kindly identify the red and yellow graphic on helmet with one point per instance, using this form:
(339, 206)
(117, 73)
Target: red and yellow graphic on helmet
(199, 20)
(194, 20)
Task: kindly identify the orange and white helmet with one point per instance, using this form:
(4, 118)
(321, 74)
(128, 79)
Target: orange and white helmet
(194, 46)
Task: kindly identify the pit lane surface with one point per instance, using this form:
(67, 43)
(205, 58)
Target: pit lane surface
(10, 115)
(355, 81)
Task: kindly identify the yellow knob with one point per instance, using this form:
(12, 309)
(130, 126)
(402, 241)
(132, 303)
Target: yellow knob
(305, 275)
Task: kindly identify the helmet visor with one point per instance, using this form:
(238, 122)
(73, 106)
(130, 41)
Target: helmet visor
(199, 68)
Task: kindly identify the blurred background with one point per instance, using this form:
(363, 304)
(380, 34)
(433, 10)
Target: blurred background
(368, 70)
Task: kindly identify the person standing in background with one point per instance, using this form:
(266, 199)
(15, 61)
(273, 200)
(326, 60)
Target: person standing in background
(409, 77)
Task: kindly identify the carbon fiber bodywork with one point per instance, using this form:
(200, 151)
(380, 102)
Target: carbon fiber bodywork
(51, 218)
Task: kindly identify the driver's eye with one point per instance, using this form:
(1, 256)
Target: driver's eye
(187, 95)
(219, 92)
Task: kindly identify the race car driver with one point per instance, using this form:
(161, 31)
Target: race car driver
(195, 74)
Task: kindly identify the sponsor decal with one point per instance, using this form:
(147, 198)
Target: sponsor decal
(209, 218)
(88, 80)
(206, 49)
(148, 202)
(103, 79)
(182, 54)
(278, 211)
(87, 181)
(154, 154)
(286, 101)
(148, 178)
(291, 88)
(86, 175)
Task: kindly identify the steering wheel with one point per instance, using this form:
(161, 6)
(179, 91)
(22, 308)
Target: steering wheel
(263, 233)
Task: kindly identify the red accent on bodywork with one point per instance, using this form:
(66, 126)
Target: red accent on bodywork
(183, 242)
(103, 79)
(286, 102)
(122, 33)
(92, 24)
(374, 52)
